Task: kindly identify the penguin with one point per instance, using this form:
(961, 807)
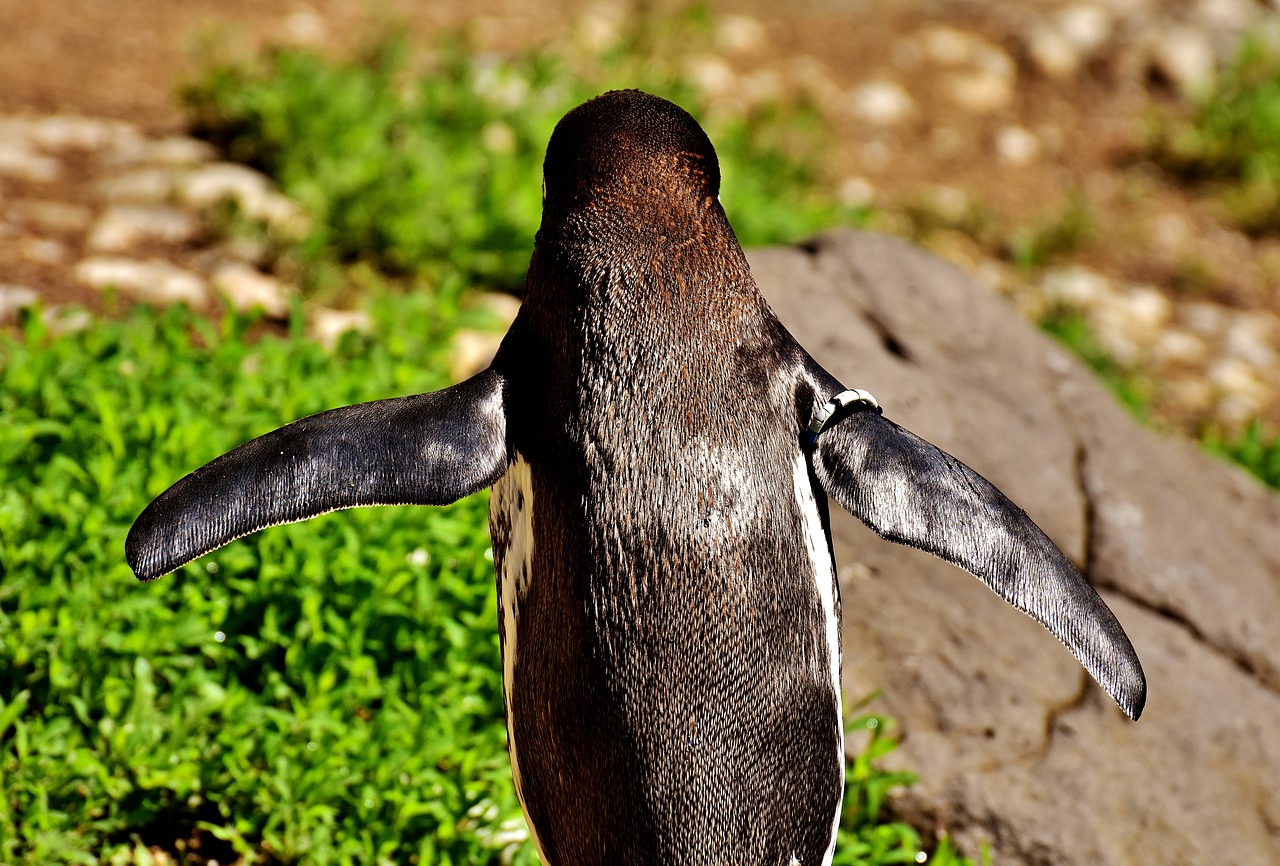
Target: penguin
(661, 452)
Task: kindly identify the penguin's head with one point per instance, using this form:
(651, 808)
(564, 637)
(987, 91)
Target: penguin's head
(632, 156)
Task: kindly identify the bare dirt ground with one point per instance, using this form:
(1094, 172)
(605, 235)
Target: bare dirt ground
(946, 120)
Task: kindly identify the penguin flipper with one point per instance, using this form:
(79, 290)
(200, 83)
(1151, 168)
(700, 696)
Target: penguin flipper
(913, 493)
(429, 449)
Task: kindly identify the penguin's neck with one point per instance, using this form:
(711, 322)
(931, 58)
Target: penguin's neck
(692, 285)
(658, 333)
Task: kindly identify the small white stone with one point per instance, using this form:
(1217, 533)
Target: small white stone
(44, 251)
(1017, 145)
(73, 132)
(1149, 310)
(173, 150)
(1053, 54)
(994, 60)
(124, 227)
(155, 281)
(305, 26)
(947, 45)
(21, 162)
(1208, 320)
(1233, 16)
(812, 76)
(248, 189)
(1176, 346)
(600, 27)
(472, 351)
(281, 214)
(1191, 394)
(1252, 338)
(1184, 56)
(14, 298)
(246, 288)
(327, 326)
(497, 137)
(1234, 377)
(1172, 231)
(710, 74)
(980, 92)
(1076, 287)
(1127, 324)
(502, 306)
(51, 216)
(881, 103)
(16, 131)
(761, 86)
(221, 181)
(140, 185)
(500, 85)
(949, 202)
(1086, 26)
(66, 319)
(741, 34)
(856, 191)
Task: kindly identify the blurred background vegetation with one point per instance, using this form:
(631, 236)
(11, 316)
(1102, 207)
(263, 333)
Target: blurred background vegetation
(329, 692)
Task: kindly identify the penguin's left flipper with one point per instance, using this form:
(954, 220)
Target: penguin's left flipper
(910, 492)
(430, 449)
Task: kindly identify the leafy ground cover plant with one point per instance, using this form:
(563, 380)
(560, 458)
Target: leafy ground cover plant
(1253, 449)
(328, 692)
(1070, 329)
(1232, 141)
(423, 165)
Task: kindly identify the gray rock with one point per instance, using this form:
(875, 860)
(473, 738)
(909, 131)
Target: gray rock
(1014, 744)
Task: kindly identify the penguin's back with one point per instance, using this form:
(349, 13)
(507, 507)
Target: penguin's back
(668, 607)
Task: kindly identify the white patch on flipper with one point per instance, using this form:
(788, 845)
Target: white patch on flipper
(824, 573)
(512, 502)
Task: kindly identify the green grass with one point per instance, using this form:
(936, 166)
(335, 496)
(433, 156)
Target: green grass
(1232, 141)
(432, 165)
(1071, 329)
(326, 692)
(1253, 449)
(316, 692)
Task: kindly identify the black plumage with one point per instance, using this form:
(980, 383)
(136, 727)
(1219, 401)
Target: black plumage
(668, 605)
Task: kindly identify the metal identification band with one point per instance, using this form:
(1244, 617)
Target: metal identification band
(835, 404)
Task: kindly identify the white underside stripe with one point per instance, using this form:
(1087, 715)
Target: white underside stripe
(815, 542)
(512, 497)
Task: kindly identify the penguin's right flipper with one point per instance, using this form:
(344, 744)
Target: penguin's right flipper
(911, 492)
(429, 449)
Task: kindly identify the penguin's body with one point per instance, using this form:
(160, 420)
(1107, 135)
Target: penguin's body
(661, 450)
